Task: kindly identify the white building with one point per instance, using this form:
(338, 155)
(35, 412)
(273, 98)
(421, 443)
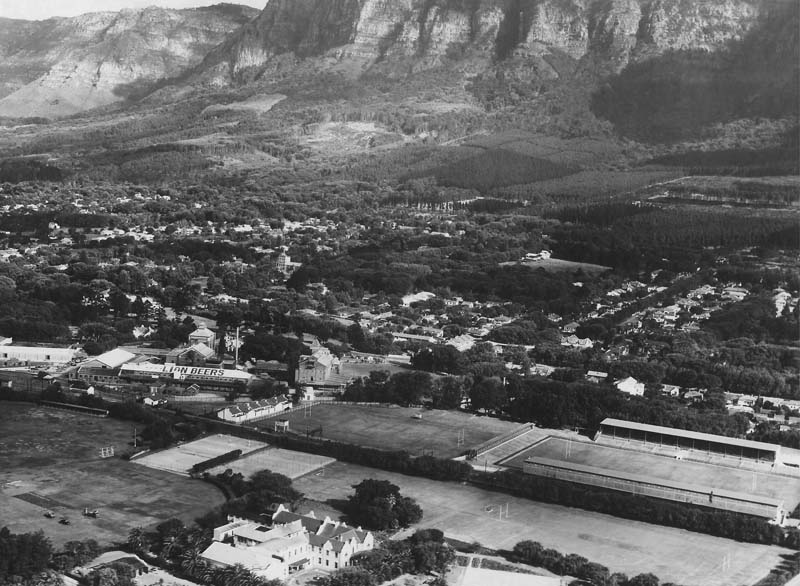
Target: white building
(241, 412)
(39, 354)
(630, 386)
(291, 543)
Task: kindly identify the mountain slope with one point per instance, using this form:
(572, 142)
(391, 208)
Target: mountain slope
(529, 63)
(671, 96)
(61, 66)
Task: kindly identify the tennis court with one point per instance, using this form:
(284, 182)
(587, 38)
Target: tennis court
(181, 458)
(287, 462)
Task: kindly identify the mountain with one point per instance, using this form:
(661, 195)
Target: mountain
(375, 32)
(553, 66)
(337, 87)
(61, 66)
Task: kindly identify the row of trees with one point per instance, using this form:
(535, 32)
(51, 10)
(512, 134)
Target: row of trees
(23, 554)
(535, 554)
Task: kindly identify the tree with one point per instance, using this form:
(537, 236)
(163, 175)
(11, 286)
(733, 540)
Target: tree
(23, 554)
(489, 394)
(8, 289)
(439, 358)
(349, 577)
(644, 580)
(409, 388)
(447, 393)
(378, 504)
(137, 540)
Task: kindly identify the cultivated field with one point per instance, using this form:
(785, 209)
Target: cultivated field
(396, 428)
(714, 476)
(287, 462)
(181, 458)
(472, 514)
(49, 460)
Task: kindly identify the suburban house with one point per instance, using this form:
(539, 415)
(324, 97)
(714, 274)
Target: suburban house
(292, 542)
(596, 376)
(575, 342)
(570, 328)
(670, 390)
(630, 386)
(241, 412)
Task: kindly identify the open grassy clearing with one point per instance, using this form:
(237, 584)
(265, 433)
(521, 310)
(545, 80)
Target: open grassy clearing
(50, 459)
(472, 514)
(714, 476)
(557, 265)
(396, 428)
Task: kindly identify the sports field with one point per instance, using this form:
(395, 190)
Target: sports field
(287, 462)
(472, 514)
(181, 458)
(444, 434)
(49, 460)
(714, 476)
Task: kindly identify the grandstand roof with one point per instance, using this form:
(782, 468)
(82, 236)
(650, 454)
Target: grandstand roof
(649, 479)
(708, 437)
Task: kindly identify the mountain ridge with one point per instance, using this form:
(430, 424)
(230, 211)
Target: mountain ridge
(64, 65)
(379, 31)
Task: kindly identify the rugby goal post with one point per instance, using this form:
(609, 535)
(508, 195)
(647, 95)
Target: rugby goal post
(107, 452)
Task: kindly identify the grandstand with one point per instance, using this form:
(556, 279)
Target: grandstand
(683, 443)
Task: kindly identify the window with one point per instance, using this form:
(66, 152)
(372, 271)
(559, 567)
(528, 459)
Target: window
(327, 563)
(335, 565)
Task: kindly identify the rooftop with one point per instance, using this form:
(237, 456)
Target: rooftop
(721, 439)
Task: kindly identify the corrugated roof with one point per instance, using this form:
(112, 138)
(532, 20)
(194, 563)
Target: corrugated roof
(649, 479)
(709, 437)
(115, 358)
(230, 556)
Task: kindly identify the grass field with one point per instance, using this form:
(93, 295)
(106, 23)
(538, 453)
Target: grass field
(557, 265)
(287, 462)
(472, 514)
(49, 459)
(396, 428)
(181, 458)
(696, 473)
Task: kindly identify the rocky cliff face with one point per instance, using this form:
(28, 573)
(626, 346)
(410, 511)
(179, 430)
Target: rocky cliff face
(62, 66)
(613, 32)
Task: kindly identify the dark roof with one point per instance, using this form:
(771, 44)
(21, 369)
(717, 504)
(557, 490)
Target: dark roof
(311, 524)
(708, 437)
(648, 479)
